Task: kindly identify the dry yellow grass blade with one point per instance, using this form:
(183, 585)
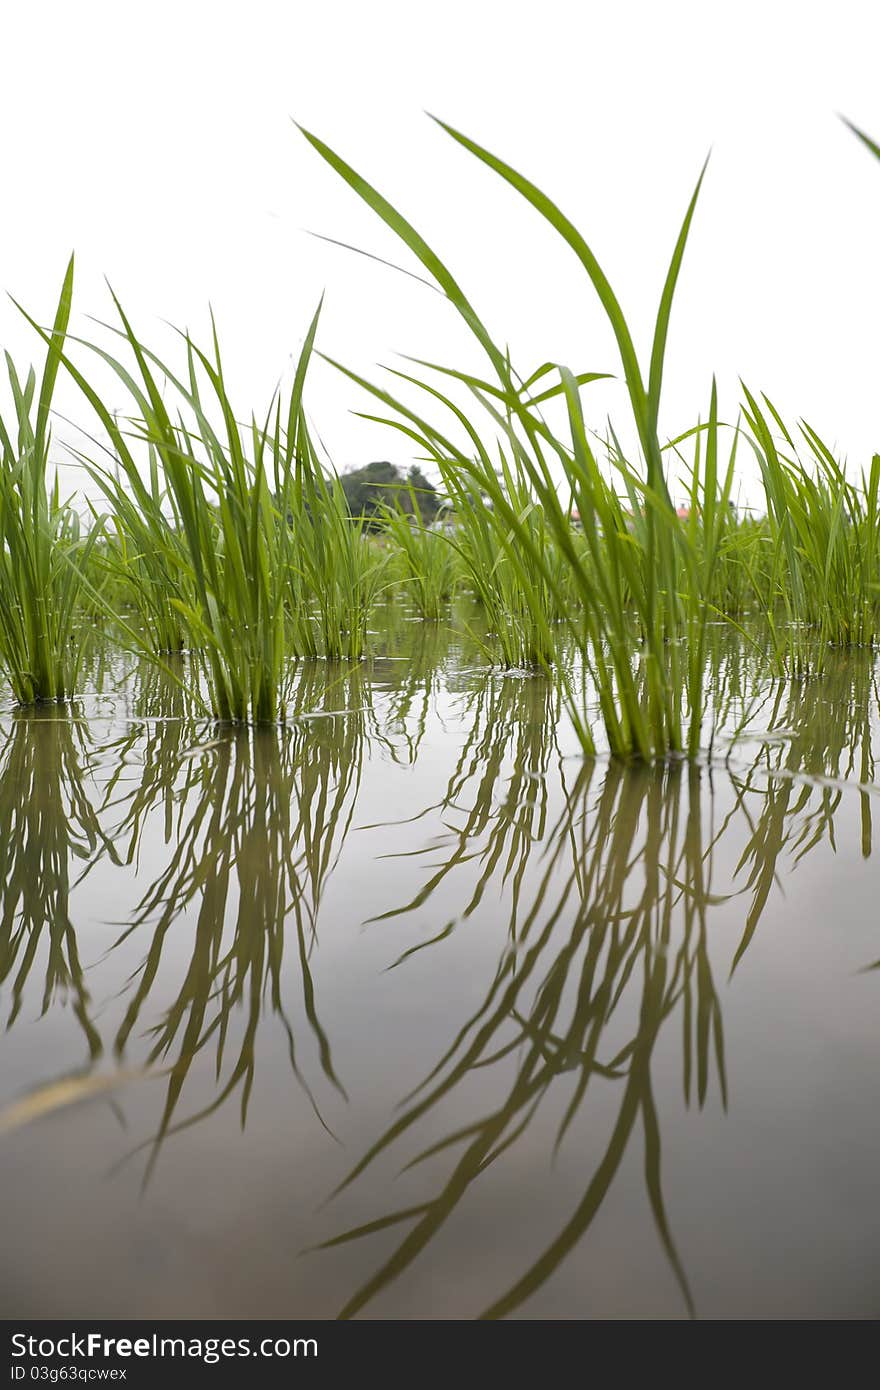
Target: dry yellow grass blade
(70, 1090)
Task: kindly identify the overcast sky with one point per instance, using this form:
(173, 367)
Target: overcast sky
(156, 140)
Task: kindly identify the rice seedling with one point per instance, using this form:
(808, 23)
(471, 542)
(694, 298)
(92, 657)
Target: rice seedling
(143, 560)
(44, 549)
(519, 604)
(235, 539)
(651, 573)
(741, 578)
(824, 535)
(425, 557)
(336, 572)
(214, 540)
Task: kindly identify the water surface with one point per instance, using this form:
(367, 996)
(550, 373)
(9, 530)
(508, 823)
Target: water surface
(407, 1011)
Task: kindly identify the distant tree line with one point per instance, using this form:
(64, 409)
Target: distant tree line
(382, 484)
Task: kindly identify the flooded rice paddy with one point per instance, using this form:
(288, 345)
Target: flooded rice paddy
(406, 1010)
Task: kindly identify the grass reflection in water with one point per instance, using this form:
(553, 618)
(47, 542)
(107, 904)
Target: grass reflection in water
(607, 879)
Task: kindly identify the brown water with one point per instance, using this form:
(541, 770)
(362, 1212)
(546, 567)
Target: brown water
(564, 1040)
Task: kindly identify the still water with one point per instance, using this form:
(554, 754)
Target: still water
(407, 1011)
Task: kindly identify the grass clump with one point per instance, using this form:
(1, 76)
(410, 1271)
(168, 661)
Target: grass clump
(217, 541)
(824, 539)
(336, 571)
(229, 537)
(425, 559)
(620, 578)
(44, 549)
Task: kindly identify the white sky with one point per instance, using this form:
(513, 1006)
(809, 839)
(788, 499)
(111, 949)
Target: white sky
(156, 140)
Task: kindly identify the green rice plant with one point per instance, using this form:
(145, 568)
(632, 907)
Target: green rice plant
(824, 533)
(143, 559)
(741, 580)
(736, 540)
(865, 139)
(43, 546)
(336, 571)
(425, 557)
(517, 602)
(704, 534)
(634, 574)
(217, 527)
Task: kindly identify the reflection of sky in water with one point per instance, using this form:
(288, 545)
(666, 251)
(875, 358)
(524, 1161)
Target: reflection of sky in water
(585, 919)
